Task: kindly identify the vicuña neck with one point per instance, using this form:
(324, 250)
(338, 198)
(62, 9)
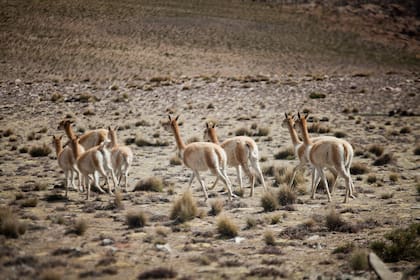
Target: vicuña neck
(113, 136)
(213, 136)
(305, 134)
(178, 139)
(293, 134)
(58, 147)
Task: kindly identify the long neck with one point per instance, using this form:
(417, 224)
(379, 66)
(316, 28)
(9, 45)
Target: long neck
(113, 136)
(305, 134)
(213, 136)
(178, 139)
(74, 144)
(293, 134)
(58, 147)
(69, 131)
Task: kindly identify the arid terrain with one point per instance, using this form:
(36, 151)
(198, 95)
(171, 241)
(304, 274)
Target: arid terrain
(241, 64)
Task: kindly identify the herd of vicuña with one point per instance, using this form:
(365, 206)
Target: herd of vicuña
(97, 153)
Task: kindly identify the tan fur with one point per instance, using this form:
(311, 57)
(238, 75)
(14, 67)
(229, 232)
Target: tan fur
(201, 156)
(329, 152)
(91, 162)
(89, 139)
(67, 163)
(121, 158)
(240, 151)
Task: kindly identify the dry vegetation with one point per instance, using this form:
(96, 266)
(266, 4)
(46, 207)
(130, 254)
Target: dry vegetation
(241, 64)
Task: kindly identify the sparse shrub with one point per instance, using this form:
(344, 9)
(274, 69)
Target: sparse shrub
(335, 222)
(371, 179)
(8, 132)
(263, 131)
(239, 192)
(117, 201)
(344, 249)
(377, 150)
(23, 150)
(216, 207)
(340, 134)
(286, 196)
(243, 131)
(283, 175)
(175, 160)
(40, 151)
(393, 177)
(286, 153)
(210, 106)
(10, 225)
(136, 219)
(56, 96)
(358, 168)
(359, 260)
(400, 244)
(184, 209)
(269, 238)
(141, 142)
(418, 189)
(269, 202)
(274, 219)
(250, 223)
(29, 202)
(317, 95)
(387, 195)
(384, 159)
(317, 127)
(405, 130)
(142, 123)
(158, 273)
(80, 227)
(226, 227)
(417, 150)
(151, 184)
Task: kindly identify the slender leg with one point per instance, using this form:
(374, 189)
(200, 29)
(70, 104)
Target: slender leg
(324, 179)
(295, 170)
(202, 185)
(214, 184)
(257, 169)
(251, 178)
(66, 174)
(315, 181)
(222, 174)
(239, 174)
(191, 180)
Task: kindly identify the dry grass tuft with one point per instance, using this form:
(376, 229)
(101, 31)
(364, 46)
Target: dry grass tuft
(151, 184)
(359, 260)
(335, 222)
(262, 131)
(250, 223)
(340, 134)
(136, 219)
(417, 150)
(10, 225)
(243, 131)
(50, 274)
(405, 130)
(317, 95)
(40, 151)
(344, 249)
(318, 128)
(29, 202)
(286, 196)
(79, 227)
(269, 202)
(375, 149)
(175, 160)
(358, 168)
(384, 159)
(158, 273)
(269, 238)
(226, 227)
(371, 179)
(216, 207)
(286, 153)
(184, 209)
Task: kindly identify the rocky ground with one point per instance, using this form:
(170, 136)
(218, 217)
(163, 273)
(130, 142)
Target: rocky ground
(242, 64)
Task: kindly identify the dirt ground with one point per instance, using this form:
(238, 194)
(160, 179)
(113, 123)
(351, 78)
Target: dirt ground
(369, 102)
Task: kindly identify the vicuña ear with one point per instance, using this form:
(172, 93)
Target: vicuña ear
(169, 116)
(299, 115)
(177, 118)
(285, 115)
(207, 125)
(214, 125)
(306, 115)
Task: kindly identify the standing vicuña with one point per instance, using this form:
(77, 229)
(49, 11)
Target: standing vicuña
(201, 156)
(240, 151)
(93, 161)
(67, 162)
(88, 140)
(328, 153)
(121, 158)
(299, 149)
